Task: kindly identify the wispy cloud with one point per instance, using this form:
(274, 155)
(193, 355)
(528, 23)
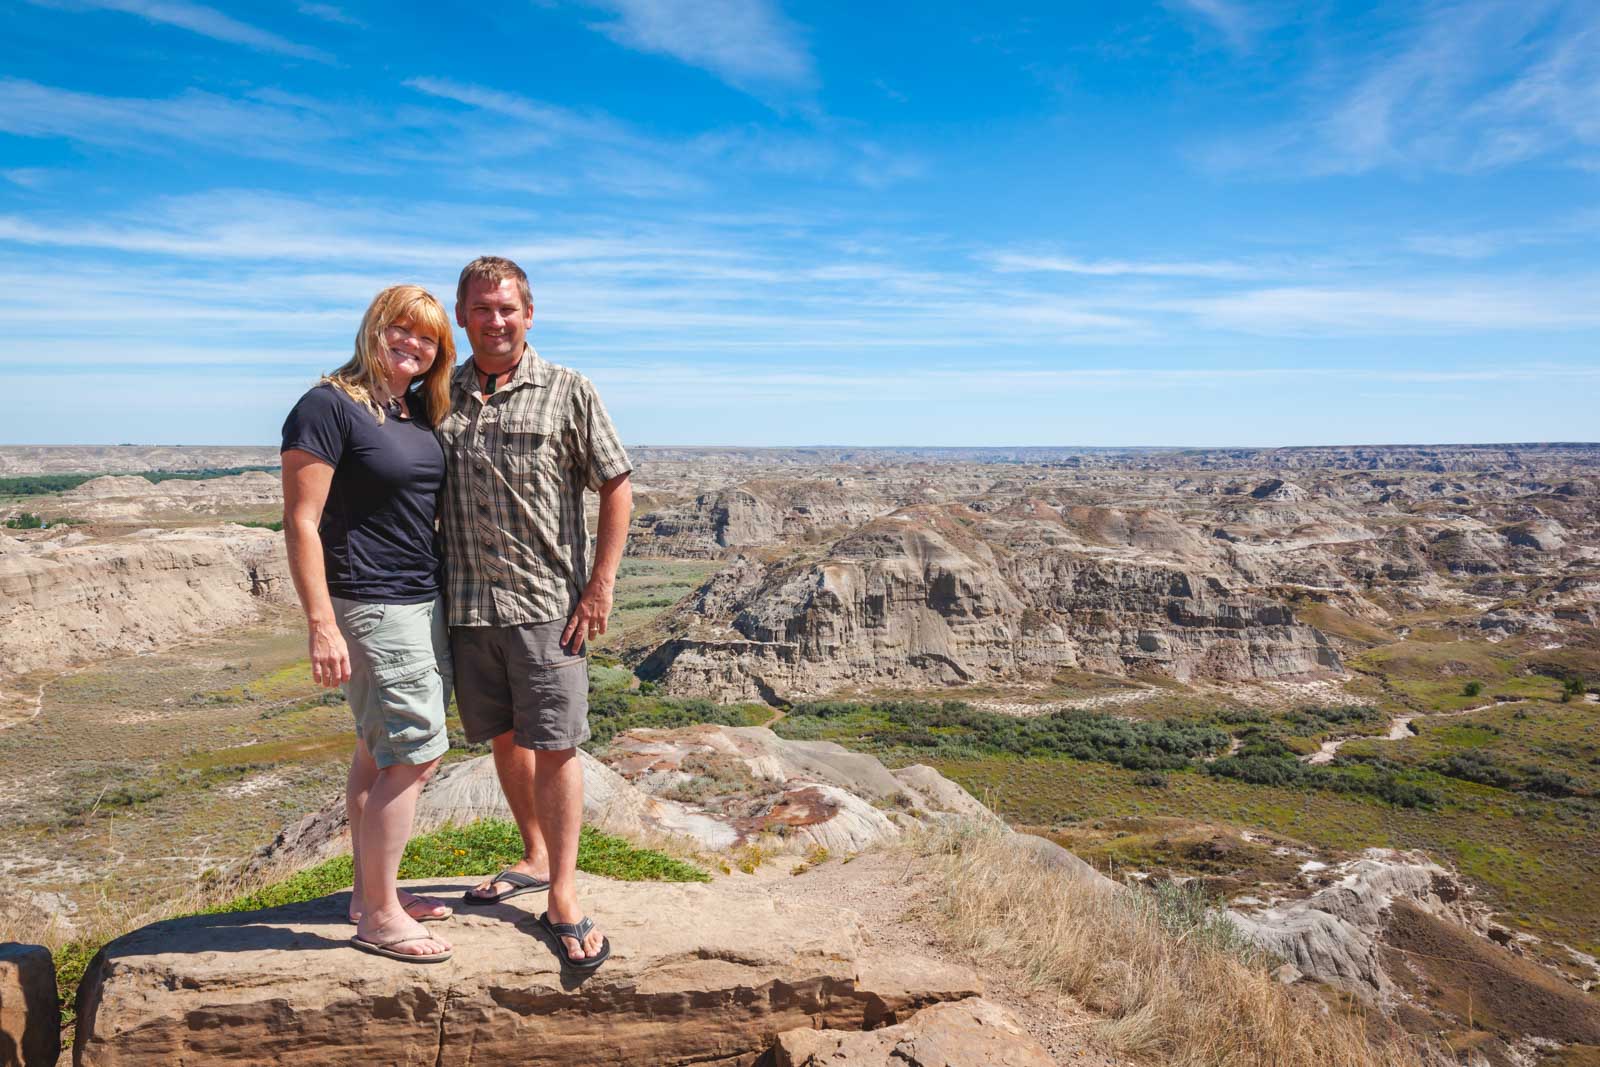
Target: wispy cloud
(1466, 306)
(330, 13)
(27, 177)
(1236, 22)
(747, 43)
(197, 18)
(548, 121)
(1022, 262)
(267, 126)
(1461, 87)
(614, 156)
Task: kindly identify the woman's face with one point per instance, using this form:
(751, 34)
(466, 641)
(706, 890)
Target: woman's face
(411, 348)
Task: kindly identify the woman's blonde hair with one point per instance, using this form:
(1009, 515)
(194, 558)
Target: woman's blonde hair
(365, 378)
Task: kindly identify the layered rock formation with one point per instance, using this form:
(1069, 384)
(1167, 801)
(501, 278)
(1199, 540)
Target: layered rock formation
(130, 498)
(753, 514)
(940, 595)
(64, 600)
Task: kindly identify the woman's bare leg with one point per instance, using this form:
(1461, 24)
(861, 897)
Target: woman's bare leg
(363, 773)
(386, 820)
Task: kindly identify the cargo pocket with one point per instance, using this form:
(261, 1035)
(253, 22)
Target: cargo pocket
(358, 621)
(412, 701)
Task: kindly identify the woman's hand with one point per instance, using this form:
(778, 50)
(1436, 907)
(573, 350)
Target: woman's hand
(330, 657)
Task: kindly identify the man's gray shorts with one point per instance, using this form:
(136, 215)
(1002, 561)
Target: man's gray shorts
(519, 678)
(399, 677)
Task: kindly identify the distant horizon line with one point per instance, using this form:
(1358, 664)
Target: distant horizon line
(942, 448)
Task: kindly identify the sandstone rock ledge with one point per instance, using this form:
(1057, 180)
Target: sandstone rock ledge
(700, 974)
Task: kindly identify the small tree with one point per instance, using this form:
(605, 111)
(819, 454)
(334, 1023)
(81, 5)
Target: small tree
(1473, 689)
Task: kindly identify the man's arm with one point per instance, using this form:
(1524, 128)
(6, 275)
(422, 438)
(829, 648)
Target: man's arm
(594, 606)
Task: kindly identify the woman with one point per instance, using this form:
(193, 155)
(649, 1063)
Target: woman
(362, 472)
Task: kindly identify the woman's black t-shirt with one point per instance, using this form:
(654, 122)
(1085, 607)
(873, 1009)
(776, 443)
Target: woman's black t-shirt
(379, 542)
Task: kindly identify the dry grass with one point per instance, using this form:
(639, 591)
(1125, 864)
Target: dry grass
(1174, 982)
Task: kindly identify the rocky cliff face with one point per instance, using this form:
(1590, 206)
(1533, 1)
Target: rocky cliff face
(750, 515)
(67, 599)
(943, 595)
(129, 498)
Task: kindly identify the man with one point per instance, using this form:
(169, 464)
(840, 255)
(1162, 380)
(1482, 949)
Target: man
(523, 440)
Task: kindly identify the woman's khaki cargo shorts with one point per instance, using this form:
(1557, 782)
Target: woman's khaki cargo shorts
(400, 676)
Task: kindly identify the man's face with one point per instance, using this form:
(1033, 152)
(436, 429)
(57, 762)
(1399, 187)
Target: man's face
(495, 319)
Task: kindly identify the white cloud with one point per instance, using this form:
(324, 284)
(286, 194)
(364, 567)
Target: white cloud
(27, 177)
(330, 13)
(1022, 262)
(747, 43)
(205, 21)
(1463, 307)
(1237, 23)
(1461, 87)
(271, 126)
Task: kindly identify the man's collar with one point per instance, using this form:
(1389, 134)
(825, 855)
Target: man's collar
(530, 370)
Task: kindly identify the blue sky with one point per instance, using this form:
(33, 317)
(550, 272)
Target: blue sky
(1184, 222)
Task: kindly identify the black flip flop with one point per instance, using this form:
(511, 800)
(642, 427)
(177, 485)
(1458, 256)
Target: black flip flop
(521, 883)
(577, 931)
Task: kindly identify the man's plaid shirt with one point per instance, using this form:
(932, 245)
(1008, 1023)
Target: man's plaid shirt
(516, 540)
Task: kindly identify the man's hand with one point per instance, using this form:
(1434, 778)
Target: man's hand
(589, 618)
(330, 657)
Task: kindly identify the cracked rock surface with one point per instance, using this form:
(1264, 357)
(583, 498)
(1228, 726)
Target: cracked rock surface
(699, 974)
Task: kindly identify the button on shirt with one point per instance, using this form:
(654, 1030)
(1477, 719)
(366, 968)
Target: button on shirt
(516, 539)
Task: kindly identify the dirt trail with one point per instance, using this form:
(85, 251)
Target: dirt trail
(1399, 730)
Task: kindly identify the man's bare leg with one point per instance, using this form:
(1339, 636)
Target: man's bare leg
(516, 768)
(385, 828)
(558, 789)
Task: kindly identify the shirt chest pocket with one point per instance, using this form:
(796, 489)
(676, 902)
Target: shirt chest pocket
(532, 444)
(453, 427)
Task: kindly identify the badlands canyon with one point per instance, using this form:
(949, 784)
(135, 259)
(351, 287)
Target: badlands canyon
(1342, 701)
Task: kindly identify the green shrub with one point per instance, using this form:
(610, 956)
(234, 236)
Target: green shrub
(613, 710)
(1472, 689)
(922, 729)
(1475, 766)
(1549, 783)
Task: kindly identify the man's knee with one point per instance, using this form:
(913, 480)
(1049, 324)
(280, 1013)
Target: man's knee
(554, 757)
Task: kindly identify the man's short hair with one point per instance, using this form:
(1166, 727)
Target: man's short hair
(494, 270)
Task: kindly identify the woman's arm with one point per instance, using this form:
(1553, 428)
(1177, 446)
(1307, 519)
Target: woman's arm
(306, 479)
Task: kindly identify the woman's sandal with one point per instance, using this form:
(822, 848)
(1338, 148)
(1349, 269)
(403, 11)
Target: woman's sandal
(386, 949)
(577, 931)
